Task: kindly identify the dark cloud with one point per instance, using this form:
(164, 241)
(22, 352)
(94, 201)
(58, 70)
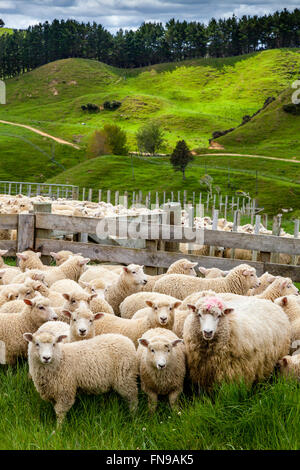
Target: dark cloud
(114, 14)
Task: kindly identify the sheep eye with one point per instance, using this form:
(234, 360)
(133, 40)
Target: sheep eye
(91, 321)
(41, 307)
(133, 272)
(74, 319)
(73, 301)
(37, 345)
(152, 350)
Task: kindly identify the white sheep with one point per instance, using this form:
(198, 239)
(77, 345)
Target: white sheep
(239, 280)
(93, 366)
(181, 266)
(279, 287)
(228, 344)
(162, 367)
(289, 366)
(135, 302)
(291, 307)
(163, 309)
(82, 322)
(212, 273)
(36, 312)
(129, 282)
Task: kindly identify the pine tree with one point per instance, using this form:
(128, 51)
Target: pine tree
(181, 157)
(1, 23)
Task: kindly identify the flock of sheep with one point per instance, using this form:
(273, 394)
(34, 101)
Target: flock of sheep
(23, 204)
(99, 327)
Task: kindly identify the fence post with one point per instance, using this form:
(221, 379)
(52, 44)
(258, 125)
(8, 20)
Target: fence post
(90, 196)
(236, 223)
(191, 214)
(212, 249)
(274, 258)
(173, 217)
(256, 232)
(151, 246)
(108, 196)
(296, 235)
(44, 207)
(25, 239)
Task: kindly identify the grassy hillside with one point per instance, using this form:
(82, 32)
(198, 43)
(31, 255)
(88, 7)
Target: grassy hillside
(6, 31)
(272, 132)
(115, 173)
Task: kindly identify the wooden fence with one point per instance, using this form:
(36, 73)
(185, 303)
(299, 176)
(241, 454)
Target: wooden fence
(36, 189)
(162, 237)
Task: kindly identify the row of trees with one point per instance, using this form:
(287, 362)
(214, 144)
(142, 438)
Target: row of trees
(151, 43)
(111, 139)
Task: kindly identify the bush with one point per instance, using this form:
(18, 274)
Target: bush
(116, 139)
(90, 108)
(292, 109)
(150, 137)
(98, 145)
(111, 105)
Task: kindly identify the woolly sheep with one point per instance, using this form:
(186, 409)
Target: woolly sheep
(212, 273)
(226, 344)
(93, 366)
(291, 307)
(98, 272)
(239, 280)
(265, 280)
(129, 282)
(36, 312)
(181, 266)
(82, 324)
(280, 287)
(30, 260)
(96, 303)
(66, 285)
(8, 275)
(134, 329)
(70, 269)
(137, 301)
(62, 256)
(289, 366)
(164, 311)
(162, 365)
(96, 286)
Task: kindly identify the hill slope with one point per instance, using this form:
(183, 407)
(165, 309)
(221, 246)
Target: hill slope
(191, 99)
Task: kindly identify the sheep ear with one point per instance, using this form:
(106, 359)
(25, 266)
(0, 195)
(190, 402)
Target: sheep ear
(39, 254)
(83, 284)
(177, 304)
(66, 296)
(78, 254)
(176, 341)
(194, 265)
(284, 301)
(98, 315)
(203, 270)
(284, 283)
(224, 273)
(54, 255)
(226, 311)
(28, 302)
(84, 261)
(21, 256)
(66, 313)
(149, 303)
(144, 342)
(285, 361)
(192, 307)
(3, 252)
(246, 272)
(126, 270)
(60, 338)
(28, 337)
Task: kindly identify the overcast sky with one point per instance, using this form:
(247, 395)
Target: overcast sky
(115, 14)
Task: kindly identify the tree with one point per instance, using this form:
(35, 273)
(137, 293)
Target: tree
(116, 139)
(98, 145)
(181, 157)
(1, 23)
(150, 137)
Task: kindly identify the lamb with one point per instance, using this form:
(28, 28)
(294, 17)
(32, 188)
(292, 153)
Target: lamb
(289, 366)
(137, 301)
(212, 273)
(162, 365)
(134, 329)
(181, 266)
(70, 269)
(96, 303)
(280, 287)
(9, 293)
(291, 307)
(82, 323)
(96, 286)
(129, 282)
(62, 256)
(163, 309)
(93, 366)
(56, 328)
(8, 275)
(265, 280)
(36, 312)
(30, 260)
(239, 280)
(35, 274)
(227, 345)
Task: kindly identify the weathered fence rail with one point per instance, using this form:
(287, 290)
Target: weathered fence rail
(37, 231)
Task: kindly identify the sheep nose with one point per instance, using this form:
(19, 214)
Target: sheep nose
(46, 358)
(161, 366)
(163, 319)
(54, 317)
(208, 333)
(145, 281)
(82, 331)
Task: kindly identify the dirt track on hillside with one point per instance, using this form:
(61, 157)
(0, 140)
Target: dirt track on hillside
(251, 156)
(44, 134)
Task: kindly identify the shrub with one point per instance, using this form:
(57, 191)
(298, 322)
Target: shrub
(98, 145)
(90, 108)
(111, 105)
(116, 139)
(150, 137)
(292, 109)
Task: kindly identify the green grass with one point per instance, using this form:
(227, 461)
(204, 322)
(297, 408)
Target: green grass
(6, 31)
(156, 174)
(234, 418)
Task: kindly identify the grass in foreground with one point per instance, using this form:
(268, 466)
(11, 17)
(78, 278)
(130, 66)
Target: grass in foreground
(264, 417)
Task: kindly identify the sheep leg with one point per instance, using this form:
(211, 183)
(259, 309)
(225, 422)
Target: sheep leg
(61, 407)
(130, 394)
(152, 401)
(173, 396)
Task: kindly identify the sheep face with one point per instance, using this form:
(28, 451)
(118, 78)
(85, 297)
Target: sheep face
(249, 276)
(75, 300)
(289, 366)
(10, 295)
(28, 291)
(287, 287)
(135, 274)
(81, 321)
(40, 310)
(163, 312)
(159, 351)
(44, 345)
(189, 269)
(209, 311)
